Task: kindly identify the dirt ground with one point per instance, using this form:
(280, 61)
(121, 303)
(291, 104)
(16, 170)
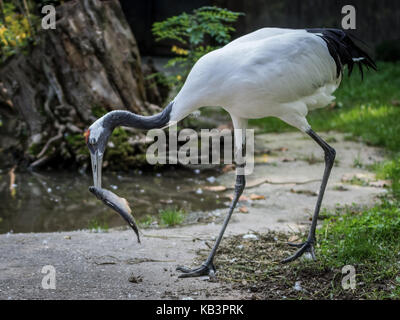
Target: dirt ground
(112, 265)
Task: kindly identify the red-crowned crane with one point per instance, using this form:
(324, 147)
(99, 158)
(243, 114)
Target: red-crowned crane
(271, 72)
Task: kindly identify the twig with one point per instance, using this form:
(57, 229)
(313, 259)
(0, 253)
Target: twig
(49, 142)
(29, 18)
(172, 237)
(39, 162)
(12, 179)
(2, 16)
(256, 183)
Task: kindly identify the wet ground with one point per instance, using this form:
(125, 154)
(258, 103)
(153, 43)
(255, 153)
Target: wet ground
(61, 201)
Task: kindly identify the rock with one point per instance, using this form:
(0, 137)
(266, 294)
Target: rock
(306, 192)
(135, 279)
(380, 183)
(211, 179)
(297, 286)
(250, 237)
(363, 177)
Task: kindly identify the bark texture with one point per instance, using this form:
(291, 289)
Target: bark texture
(88, 65)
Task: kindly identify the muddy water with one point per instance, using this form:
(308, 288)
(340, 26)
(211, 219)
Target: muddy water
(61, 201)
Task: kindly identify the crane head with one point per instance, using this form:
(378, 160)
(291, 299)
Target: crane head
(96, 139)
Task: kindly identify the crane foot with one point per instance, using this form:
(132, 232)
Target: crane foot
(203, 270)
(307, 246)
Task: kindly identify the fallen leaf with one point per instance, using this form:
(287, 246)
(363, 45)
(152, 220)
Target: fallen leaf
(169, 201)
(262, 159)
(244, 210)
(228, 167)
(256, 197)
(215, 188)
(293, 239)
(242, 198)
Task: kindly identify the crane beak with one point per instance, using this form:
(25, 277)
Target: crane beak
(97, 162)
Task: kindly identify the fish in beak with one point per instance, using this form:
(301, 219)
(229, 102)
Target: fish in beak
(118, 204)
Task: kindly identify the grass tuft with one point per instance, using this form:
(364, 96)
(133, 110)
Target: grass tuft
(171, 217)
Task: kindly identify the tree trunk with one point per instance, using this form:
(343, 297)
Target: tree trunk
(88, 65)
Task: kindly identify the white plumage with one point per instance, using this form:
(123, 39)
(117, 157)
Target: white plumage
(275, 72)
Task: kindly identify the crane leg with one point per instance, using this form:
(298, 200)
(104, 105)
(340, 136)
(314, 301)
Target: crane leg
(207, 268)
(308, 245)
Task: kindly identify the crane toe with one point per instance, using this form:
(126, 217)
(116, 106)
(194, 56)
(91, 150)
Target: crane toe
(307, 246)
(203, 270)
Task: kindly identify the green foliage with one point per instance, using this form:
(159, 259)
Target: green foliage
(19, 23)
(98, 226)
(390, 170)
(99, 111)
(171, 216)
(365, 236)
(369, 240)
(146, 221)
(15, 30)
(192, 32)
(77, 143)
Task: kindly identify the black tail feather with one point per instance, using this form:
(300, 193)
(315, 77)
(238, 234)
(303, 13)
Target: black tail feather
(344, 51)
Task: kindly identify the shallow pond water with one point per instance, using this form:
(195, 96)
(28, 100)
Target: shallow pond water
(61, 201)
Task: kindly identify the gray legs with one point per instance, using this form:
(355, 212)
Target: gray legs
(308, 246)
(207, 268)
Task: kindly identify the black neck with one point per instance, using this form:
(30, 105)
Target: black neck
(130, 119)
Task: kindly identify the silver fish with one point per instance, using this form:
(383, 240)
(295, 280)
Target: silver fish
(119, 204)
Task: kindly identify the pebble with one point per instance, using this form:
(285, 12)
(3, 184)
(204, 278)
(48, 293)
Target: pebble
(297, 286)
(211, 179)
(250, 236)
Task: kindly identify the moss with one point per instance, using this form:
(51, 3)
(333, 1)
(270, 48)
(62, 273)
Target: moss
(35, 148)
(98, 111)
(76, 143)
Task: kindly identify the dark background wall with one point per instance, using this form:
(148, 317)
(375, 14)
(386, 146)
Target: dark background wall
(377, 20)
